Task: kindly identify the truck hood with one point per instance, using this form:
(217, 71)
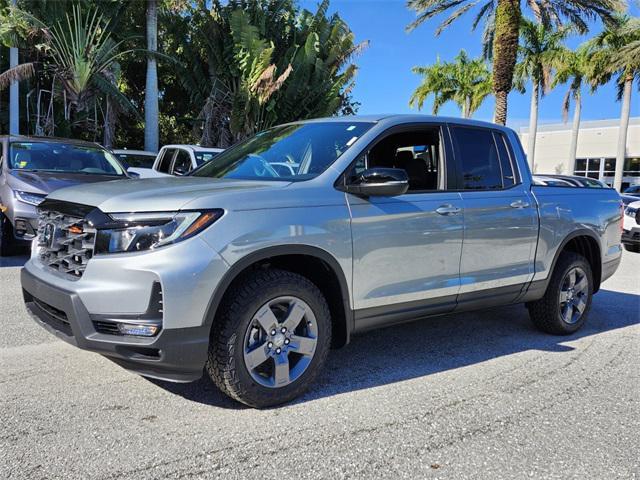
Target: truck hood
(157, 194)
(47, 182)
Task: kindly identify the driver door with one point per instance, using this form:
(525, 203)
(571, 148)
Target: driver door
(406, 249)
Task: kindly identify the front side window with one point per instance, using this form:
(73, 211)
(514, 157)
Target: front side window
(62, 157)
(477, 153)
(417, 152)
(182, 163)
(290, 152)
(165, 160)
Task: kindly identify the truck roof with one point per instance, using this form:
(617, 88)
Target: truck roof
(406, 118)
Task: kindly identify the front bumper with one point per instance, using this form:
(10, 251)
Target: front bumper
(26, 217)
(175, 354)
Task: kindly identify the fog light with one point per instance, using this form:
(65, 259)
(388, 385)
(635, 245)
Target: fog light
(139, 330)
(20, 227)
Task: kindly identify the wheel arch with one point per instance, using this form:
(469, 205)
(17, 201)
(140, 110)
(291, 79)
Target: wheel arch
(304, 260)
(586, 243)
(581, 241)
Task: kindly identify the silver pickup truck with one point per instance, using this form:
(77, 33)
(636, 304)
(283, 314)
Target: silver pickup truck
(252, 273)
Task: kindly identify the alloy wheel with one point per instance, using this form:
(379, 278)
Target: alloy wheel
(574, 294)
(280, 341)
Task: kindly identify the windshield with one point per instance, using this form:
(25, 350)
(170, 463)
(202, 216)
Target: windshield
(203, 156)
(291, 152)
(62, 157)
(138, 160)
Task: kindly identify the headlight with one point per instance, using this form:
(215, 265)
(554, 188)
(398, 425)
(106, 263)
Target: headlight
(134, 232)
(630, 212)
(30, 198)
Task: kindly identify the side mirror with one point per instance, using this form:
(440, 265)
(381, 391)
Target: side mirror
(385, 182)
(133, 174)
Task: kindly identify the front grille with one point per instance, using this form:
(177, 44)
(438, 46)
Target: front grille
(65, 242)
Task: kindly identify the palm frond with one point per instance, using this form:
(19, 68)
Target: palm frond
(19, 73)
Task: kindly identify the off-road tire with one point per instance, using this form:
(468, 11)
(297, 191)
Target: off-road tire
(225, 364)
(545, 313)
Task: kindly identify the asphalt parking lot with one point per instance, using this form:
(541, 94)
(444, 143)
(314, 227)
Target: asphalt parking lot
(479, 395)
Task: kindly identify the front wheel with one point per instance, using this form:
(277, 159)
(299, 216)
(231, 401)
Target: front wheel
(270, 339)
(566, 303)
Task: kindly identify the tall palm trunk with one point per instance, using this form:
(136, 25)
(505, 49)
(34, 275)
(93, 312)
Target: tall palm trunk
(109, 127)
(466, 111)
(505, 53)
(533, 125)
(14, 92)
(575, 130)
(622, 132)
(151, 89)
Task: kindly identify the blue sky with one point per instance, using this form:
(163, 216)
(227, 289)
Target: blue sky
(385, 82)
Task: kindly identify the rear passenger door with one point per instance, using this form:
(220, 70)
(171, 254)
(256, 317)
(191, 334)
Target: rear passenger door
(501, 222)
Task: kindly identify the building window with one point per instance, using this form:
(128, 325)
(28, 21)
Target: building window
(590, 167)
(632, 167)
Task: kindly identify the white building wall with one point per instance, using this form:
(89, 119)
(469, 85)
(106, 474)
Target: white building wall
(596, 139)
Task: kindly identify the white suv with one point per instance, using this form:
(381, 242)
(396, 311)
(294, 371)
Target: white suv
(631, 232)
(177, 160)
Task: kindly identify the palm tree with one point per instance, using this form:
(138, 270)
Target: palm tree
(78, 54)
(151, 113)
(466, 81)
(541, 47)
(614, 53)
(572, 68)
(14, 91)
(502, 28)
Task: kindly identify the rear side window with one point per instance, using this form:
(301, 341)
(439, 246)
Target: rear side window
(477, 154)
(165, 161)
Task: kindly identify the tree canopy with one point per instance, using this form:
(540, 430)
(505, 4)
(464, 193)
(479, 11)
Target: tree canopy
(225, 69)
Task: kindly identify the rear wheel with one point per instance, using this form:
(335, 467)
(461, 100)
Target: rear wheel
(7, 242)
(566, 303)
(270, 339)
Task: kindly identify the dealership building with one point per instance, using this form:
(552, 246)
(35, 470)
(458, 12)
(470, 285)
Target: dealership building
(596, 155)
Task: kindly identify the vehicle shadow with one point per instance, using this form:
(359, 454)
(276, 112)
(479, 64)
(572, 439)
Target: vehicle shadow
(14, 260)
(433, 345)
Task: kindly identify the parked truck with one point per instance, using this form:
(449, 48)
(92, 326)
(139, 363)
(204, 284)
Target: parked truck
(251, 273)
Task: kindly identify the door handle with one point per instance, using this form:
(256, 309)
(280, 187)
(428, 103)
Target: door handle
(448, 209)
(519, 204)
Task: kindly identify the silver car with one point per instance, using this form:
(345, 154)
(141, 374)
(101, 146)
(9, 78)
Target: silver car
(32, 167)
(251, 273)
